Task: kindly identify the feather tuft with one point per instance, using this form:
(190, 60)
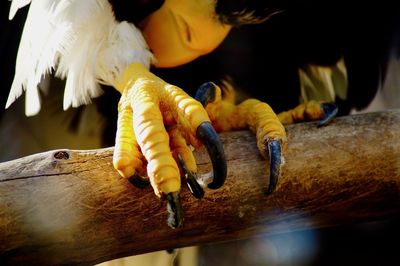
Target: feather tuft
(81, 41)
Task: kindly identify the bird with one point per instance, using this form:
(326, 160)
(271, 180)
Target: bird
(93, 52)
(110, 42)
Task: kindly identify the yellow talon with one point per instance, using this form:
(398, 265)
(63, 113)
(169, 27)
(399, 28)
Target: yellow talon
(310, 111)
(154, 103)
(157, 121)
(260, 119)
(253, 114)
(127, 157)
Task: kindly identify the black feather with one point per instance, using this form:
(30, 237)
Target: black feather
(134, 10)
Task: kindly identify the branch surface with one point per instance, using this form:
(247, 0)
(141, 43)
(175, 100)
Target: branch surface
(72, 207)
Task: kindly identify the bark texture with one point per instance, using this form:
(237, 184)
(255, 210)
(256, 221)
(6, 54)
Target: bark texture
(72, 207)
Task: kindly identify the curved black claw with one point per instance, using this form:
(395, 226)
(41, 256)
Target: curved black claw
(330, 110)
(139, 181)
(206, 93)
(191, 180)
(175, 211)
(210, 139)
(275, 161)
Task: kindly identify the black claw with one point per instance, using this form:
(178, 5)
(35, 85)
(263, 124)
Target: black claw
(139, 181)
(206, 93)
(175, 211)
(330, 110)
(191, 180)
(210, 139)
(275, 161)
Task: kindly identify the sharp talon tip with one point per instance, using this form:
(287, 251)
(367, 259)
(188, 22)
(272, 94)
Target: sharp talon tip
(139, 181)
(175, 210)
(194, 187)
(275, 159)
(210, 139)
(206, 93)
(191, 180)
(330, 110)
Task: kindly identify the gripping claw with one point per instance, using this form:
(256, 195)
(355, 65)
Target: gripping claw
(191, 180)
(206, 93)
(210, 139)
(330, 111)
(207, 135)
(175, 211)
(275, 161)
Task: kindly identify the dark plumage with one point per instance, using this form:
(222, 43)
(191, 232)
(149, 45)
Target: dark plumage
(263, 59)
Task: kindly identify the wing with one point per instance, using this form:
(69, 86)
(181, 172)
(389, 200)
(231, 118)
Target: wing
(77, 40)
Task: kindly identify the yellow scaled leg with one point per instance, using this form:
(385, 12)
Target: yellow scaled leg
(309, 111)
(261, 119)
(127, 157)
(156, 121)
(252, 114)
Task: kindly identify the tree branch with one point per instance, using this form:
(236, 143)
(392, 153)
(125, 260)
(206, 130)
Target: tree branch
(71, 207)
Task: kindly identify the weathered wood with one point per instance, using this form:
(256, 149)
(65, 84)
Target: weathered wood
(71, 207)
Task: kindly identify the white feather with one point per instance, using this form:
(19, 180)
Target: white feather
(82, 42)
(15, 5)
(32, 102)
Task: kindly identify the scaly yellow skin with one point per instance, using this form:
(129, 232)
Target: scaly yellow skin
(253, 114)
(179, 147)
(147, 109)
(258, 116)
(310, 111)
(127, 159)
